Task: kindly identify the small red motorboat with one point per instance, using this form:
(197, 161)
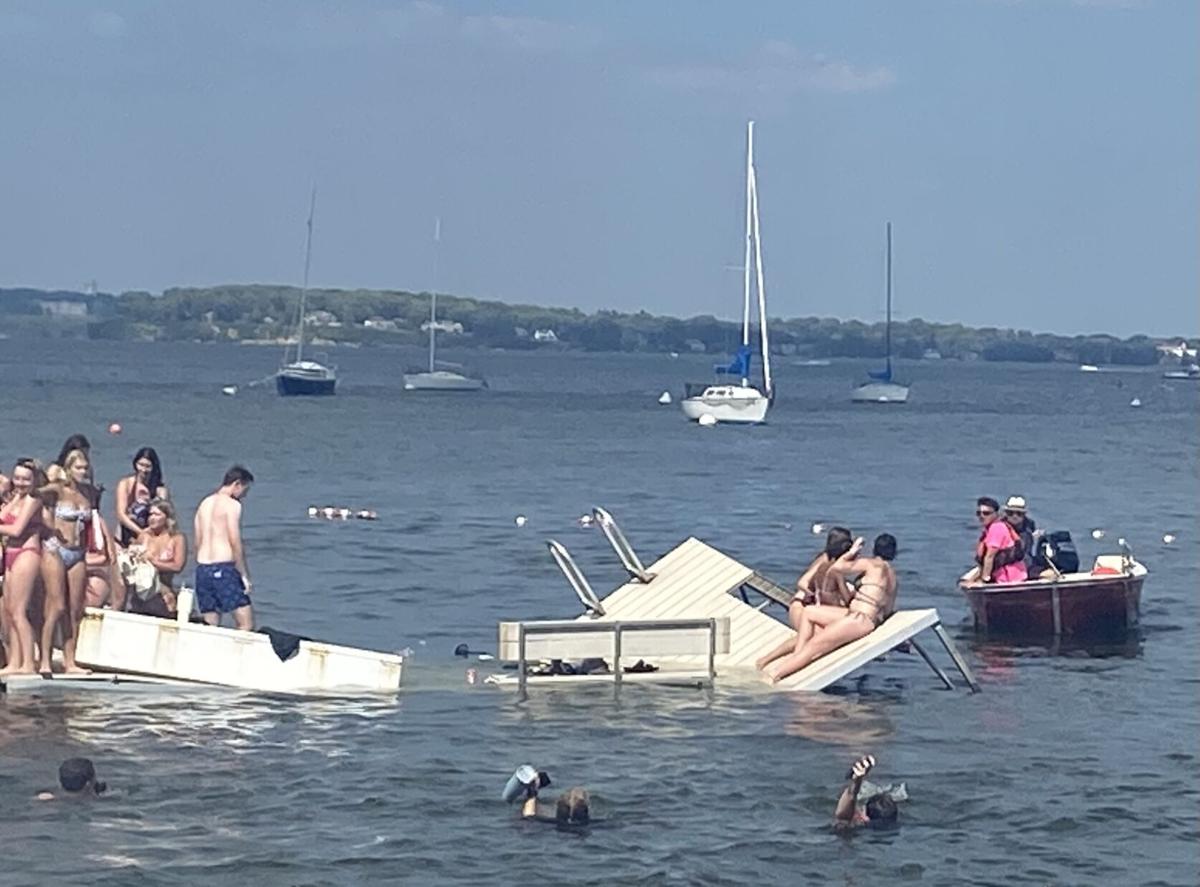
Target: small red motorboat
(1105, 601)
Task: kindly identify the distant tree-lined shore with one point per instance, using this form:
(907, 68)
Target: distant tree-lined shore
(267, 313)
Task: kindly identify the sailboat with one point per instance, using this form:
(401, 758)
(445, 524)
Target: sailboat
(447, 378)
(881, 388)
(305, 377)
(741, 401)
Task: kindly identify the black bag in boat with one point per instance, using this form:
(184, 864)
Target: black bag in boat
(1061, 552)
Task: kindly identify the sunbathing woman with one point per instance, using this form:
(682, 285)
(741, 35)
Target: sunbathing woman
(164, 546)
(135, 492)
(872, 603)
(64, 571)
(818, 585)
(21, 531)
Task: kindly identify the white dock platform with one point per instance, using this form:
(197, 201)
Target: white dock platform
(695, 581)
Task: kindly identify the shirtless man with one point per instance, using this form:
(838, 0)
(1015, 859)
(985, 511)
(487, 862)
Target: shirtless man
(872, 603)
(222, 579)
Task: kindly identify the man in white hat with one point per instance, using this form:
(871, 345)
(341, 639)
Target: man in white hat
(1017, 517)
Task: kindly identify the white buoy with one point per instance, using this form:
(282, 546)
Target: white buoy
(1097, 534)
(1136, 402)
(519, 520)
(229, 390)
(665, 397)
(818, 529)
(114, 428)
(585, 520)
(312, 511)
(707, 420)
(1168, 538)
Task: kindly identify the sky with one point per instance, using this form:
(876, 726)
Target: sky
(1039, 160)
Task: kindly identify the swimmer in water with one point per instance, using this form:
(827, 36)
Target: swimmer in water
(573, 807)
(77, 777)
(879, 811)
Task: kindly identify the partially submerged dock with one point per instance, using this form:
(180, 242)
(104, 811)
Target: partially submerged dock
(695, 613)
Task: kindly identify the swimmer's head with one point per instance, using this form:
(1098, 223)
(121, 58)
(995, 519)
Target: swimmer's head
(572, 807)
(885, 546)
(881, 810)
(78, 776)
(837, 542)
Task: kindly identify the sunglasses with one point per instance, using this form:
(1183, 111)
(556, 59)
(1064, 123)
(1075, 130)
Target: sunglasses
(983, 512)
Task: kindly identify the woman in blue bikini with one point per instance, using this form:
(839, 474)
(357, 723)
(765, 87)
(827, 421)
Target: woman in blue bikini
(68, 511)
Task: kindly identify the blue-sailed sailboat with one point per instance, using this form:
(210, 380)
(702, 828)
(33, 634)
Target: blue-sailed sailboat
(882, 388)
(305, 377)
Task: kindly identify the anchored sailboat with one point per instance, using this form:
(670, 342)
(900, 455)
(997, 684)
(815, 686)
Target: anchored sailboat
(447, 378)
(741, 402)
(305, 377)
(881, 388)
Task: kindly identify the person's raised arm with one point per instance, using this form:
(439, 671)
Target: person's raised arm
(234, 517)
(21, 519)
(844, 813)
(847, 563)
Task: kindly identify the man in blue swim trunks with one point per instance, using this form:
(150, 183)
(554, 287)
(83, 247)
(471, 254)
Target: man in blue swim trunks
(222, 579)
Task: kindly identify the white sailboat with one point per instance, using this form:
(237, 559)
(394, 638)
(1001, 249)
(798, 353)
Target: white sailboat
(742, 402)
(446, 378)
(881, 388)
(305, 377)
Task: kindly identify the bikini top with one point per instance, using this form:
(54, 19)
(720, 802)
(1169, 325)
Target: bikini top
(64, 511)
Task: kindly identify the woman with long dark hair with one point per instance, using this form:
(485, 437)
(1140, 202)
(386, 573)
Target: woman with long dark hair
(135, 493)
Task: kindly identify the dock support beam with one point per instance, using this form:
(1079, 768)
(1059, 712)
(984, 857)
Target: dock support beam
(959, 662)
(936, 668)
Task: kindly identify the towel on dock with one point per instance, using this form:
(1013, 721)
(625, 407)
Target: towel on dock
(285, 644)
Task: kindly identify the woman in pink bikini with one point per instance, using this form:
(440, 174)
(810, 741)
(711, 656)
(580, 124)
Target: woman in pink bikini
(21, 531)
(165, 547)
(68, 514)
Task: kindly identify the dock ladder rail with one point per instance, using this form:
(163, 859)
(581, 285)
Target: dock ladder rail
(528, 631)
(575, 578)
(625, 553)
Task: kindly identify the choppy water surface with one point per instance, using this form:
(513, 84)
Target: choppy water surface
(1074, 766)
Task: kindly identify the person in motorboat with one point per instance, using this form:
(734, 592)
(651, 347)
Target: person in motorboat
(999, 554)
(164, 547)
(879, 811)
(67, 515)
(572, 809)
(136, 491)
(21, 532)
(817, 585)
(222, 579)
(1017, 515)
(77, 778)
(873, 601)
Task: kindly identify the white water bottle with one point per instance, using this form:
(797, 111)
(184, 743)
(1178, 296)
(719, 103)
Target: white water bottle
(184, 604)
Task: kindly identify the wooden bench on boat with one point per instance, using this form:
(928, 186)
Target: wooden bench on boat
(695, 581)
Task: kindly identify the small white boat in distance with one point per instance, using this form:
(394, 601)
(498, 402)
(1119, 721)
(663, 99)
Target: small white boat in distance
(129, 643)
(1088, 368)
(881, 388)
(442, 380)
(1192, 373)
(745, 403)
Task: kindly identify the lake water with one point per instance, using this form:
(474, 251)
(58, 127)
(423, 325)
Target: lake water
(1073, 766)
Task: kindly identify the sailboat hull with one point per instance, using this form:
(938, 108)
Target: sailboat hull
(880, 392)
(297, 385)
(725, 403)
(442, 380)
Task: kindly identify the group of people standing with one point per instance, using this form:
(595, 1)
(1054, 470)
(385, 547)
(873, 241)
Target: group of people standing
(61, 555)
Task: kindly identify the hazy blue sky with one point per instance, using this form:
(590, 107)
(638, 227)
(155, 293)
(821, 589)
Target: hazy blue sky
(1038, 159)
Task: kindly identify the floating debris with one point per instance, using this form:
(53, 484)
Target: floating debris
(1168, 538)
(818, 529)
(1097, 534)
(707, 420)
(585, 521)
(519, 520)
(665, 397)
(229, 390)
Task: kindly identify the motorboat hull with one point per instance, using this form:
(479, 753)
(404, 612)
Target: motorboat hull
(442, 380)
(1075, 605)
(129, 643)
(880, 392)
(727, 404)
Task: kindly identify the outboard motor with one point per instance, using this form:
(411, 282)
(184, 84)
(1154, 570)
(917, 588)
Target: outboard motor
(1061, 551)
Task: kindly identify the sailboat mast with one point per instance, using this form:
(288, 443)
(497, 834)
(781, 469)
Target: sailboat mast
(746, 258)
(888, 329)
(762, 292)
(312, 208)
(437, 240)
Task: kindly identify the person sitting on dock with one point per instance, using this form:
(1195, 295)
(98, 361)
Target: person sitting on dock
(817, 586)
(872, 603)
(77, 776)
(222, 579)
(879, 811)
(999, 553)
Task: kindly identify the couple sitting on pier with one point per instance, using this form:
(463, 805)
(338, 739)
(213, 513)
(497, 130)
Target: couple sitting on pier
(828, 611)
